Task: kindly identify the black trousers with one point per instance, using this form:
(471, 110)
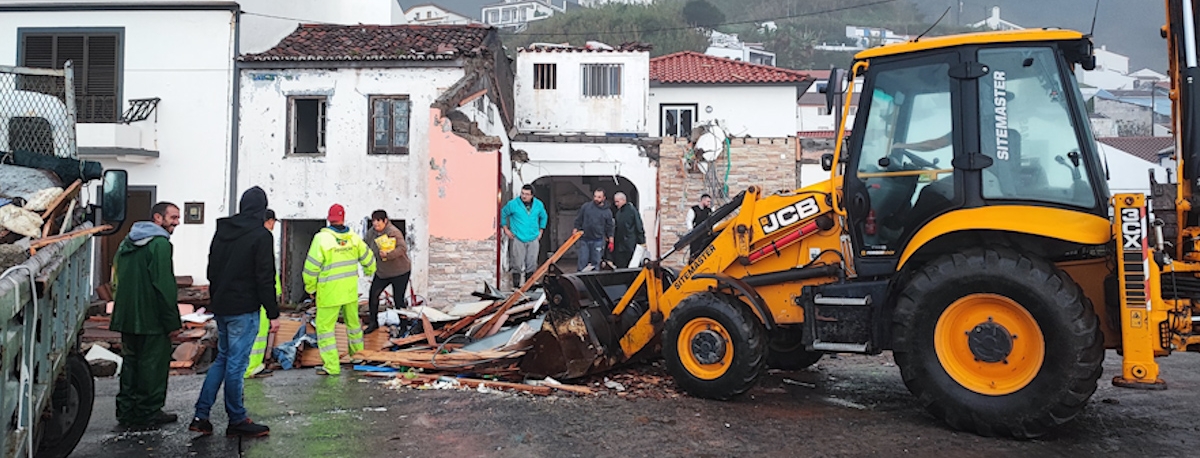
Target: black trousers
(399, 285)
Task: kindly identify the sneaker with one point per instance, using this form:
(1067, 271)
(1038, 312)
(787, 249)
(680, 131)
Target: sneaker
(247, 429)
(263, 373)
(162, 418)
(322, 371)
(201, 425)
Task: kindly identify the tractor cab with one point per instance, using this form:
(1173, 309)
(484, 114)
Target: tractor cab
(966, 122)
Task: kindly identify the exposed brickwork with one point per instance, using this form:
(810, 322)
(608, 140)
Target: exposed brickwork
(458, 267)
(767, 162)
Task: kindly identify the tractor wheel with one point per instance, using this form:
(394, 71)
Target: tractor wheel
(70, 410)
(997, 342)
(787, 353)
(714, 349)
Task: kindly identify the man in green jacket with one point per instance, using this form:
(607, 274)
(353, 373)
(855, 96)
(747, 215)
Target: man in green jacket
(145, 313)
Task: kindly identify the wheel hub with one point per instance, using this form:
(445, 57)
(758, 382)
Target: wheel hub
(708, 347)
(990, 342)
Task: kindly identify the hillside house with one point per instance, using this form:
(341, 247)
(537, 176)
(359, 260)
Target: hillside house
(432, 14)
(408, 119)
(688, 89)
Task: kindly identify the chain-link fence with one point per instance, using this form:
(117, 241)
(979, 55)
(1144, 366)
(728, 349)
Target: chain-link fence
(37, 111)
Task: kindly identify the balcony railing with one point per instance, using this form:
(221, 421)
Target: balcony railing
(97, 108)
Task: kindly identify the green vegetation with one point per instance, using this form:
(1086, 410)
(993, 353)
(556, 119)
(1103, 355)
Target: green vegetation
(799, 25)
(661, 24)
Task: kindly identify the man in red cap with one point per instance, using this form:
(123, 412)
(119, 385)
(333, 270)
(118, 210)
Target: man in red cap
(331, 273)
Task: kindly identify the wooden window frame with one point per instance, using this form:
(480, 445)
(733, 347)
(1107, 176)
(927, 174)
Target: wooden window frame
(82, 69)
(391, 149)
(322, 115)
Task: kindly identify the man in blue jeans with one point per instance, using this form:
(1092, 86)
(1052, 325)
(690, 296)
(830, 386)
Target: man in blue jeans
(595, 220)
(241, 275)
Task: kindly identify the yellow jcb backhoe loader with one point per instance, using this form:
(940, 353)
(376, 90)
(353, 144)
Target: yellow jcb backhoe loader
(966, 227)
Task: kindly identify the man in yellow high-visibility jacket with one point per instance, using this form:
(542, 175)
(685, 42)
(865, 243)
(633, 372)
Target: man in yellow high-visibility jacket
(331, 273)
(257, 369)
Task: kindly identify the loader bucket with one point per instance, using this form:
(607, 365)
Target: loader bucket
(580, 335)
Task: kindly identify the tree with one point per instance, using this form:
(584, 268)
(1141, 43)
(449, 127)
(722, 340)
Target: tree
(701, 13)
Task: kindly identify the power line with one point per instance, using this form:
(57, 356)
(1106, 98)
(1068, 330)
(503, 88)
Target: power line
(303, 21)
(749, 21)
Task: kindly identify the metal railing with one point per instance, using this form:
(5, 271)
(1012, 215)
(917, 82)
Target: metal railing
(37, 110)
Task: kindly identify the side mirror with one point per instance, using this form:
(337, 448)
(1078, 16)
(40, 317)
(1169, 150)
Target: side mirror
(114, 197)
(833, 88)
(827, 161)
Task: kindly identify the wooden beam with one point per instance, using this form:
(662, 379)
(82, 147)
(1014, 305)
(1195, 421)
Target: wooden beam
(500, 307)
(43, 242)
(56, 207)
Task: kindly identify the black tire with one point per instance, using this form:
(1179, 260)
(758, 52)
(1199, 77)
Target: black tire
(746, 334)
(1073, 343)
(71, 410)
(787, 352)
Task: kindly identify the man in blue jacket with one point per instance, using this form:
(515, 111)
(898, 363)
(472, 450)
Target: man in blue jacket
(523, 219)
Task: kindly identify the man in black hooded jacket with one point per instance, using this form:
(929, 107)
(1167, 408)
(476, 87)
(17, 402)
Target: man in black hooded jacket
(241, 275)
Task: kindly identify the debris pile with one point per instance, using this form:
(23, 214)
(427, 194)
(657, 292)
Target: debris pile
(36, 211)
(453, 348)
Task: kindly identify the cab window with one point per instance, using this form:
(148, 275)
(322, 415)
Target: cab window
(1027, 130)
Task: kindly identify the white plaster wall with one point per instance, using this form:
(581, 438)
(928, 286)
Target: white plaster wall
(305, 187)
(595, 159)
(433, 14)
(184, 58)
(566, 110)
(809, 118)
(260, 33)
(756, 111)
(1127, 173)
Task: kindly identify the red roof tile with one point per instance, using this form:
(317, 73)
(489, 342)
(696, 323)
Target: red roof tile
(689, 67)
(319, 42)
(1144, 147)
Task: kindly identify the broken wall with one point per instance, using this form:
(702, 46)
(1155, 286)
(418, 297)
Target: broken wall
(304, 186)
(464, 188)
(767, 162)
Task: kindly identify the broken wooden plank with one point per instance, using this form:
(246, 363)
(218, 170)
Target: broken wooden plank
(181, 364)
(475, 383)
(43, 242)
(516, 296)
(429, 335)
(56, 207)
(403, 341)
(577, 389)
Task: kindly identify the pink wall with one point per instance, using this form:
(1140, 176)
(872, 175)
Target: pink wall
(463, 185)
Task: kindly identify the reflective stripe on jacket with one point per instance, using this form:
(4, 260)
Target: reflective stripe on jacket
(331, 269)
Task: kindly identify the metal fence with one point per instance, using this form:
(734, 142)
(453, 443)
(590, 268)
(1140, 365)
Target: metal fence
(37, 111)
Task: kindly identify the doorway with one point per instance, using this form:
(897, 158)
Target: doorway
(140, 201)
(563, 196)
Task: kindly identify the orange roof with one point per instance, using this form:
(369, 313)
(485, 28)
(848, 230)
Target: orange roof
(690, 67)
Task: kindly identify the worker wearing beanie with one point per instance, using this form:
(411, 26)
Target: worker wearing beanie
(331, 274)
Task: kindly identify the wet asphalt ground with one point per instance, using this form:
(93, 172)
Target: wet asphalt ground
(849, 406)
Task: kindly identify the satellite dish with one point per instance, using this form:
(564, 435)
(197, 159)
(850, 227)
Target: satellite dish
(711, 143)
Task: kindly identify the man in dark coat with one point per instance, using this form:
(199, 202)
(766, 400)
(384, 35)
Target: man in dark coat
(241, 275)
(145, 313)
(628, 233)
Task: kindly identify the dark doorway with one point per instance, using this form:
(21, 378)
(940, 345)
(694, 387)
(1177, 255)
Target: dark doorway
(563, 196)
(297, 237)
(141, 199)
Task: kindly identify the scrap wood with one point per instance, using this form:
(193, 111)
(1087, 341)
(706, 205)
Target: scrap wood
(429, 336)
(500, 307)
(422, 379)
(182, 364)
(430, 359)
(56, 207)
(43, 242)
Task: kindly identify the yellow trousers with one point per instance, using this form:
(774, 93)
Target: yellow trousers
(327, 318)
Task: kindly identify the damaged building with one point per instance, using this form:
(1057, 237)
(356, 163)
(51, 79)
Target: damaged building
(581, 122)
(409, 119)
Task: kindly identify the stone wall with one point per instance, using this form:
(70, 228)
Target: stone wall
(767, 162)
(458, 267)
